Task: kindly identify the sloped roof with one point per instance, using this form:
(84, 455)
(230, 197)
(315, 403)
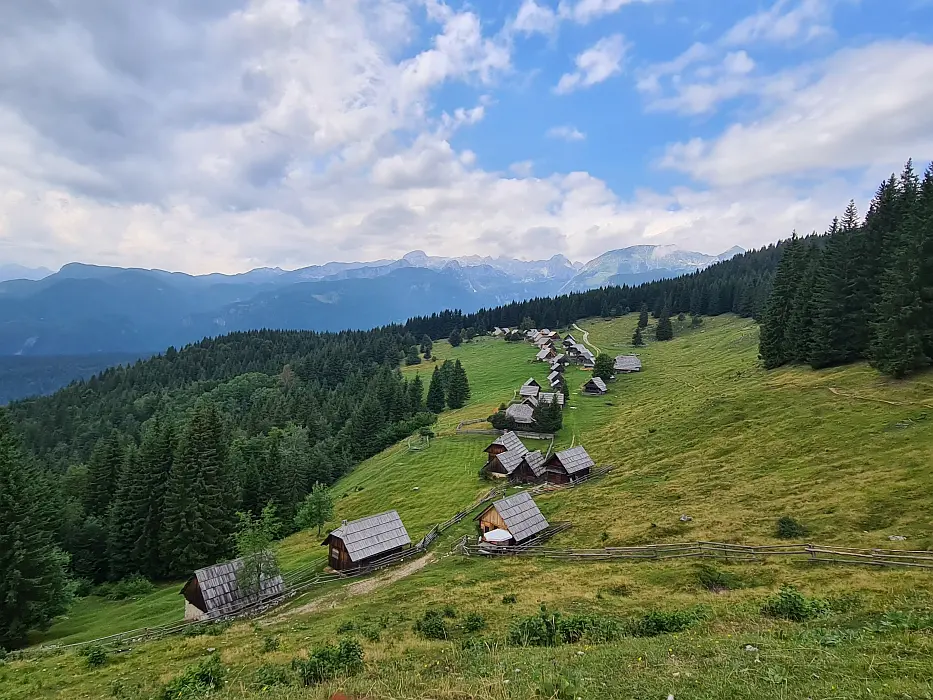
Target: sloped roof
(371, 536)
(531, 401)
(221, 592)
(627, 363)
(544, 354)
(510, 460)
(598, 383)
(521, 516)
(531, 382)
(547, 397)
(520, 413)
(575, 460)
(529, 390)
(510, 442)
(553, 375)
(560, 357)
(570, 337)
(535, 461)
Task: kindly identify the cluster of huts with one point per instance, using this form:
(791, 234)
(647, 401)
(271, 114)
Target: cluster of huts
(556, 350)
(624, 364)
(530, 396)
(508, 458)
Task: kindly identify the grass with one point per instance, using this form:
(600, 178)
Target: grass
(701, 431)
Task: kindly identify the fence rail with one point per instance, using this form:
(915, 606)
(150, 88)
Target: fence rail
(713, 550)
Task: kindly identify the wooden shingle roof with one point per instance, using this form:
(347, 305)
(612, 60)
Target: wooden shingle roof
(535, 461)
(510, 442)
(510, 460)
(627, 363)
(521, 516)
(544, 354)
(531, 382)
(369, 537)
(548, 397)
(553, 375)
(574, 460)
(597, 383)
(520, 413)
(221, 592)
(529, 390)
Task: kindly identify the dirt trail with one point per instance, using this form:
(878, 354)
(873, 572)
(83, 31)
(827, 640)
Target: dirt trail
(358, 588)
(586, 339)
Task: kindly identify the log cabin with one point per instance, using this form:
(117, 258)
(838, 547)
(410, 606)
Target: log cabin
(627, 364)
(569, 465)
(214, 591)
(595, 386)
(360, 542)
(506, 442)
(512, 520)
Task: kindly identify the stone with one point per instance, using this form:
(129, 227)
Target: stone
(897, 538)
(685, 518)
(749, 647)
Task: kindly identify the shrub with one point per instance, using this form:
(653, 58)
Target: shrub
(83, 587)
(509, 599)
(132, 587)
(449, 612)
(329, 662)
(791, 604)
(95, 654)
(712, 579)
(658, 622)
(548, 629)
(370, 633)
(474, 622)
(559, 687)
(270, 643)
(432, 626)
(788, 528)
(195, 681)
(269, 675)
(346, 627)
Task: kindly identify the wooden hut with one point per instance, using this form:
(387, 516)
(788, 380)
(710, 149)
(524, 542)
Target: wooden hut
(546, 354)
(504, 464)
(512, 520)
(569, 340)
(595, 386)
(359, 542)
(569, 465)
(520, 413)
(627, 364)
(554, 378)
(213, 591)
(507, 442)
(531, 469)
(529, 390)
(550, 397)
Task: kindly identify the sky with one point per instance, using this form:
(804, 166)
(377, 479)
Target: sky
(224, 135)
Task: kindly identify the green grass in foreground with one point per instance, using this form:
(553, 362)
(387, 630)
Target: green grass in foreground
(700, 431)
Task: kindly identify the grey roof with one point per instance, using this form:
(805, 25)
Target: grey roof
(535, 461)
(531, 382)
(598, 383)
(627, 363)
(574, 460)
(560, 358)
(547, 397)
(544, 354)
(520, 413)
(510, 460)
(553, 375)
(521, 516)
(510, 442)
(570, 337)
(531, 401)
(221, 592)
(529, 390)
(371, 536)
(557, 367)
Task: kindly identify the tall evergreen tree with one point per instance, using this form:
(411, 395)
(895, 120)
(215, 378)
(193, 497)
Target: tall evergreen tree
(33, 585)
(800, 326)
(774, 343)
(455, 338)
(200, 497)
(436, 400)
(664, 330)
(126, 519)
(637, 339)
(458, 386)
(155, 458)
(643, 316)
(103, 473)
(416, 394)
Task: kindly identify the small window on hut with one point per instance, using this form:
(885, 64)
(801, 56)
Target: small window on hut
(335, 553)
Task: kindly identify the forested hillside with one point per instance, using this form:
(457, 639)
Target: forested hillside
(864, 290)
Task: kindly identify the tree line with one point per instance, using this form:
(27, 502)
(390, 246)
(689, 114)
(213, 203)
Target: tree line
(863, 290)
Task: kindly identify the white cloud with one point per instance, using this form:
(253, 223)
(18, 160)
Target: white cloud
(595, 65)
(784, 21)
(864, 107)
(566, 133)
(585, 11)
(533, 18)
(714, 83)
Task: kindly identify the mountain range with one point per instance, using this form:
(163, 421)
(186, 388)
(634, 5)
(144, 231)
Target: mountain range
(87, 309)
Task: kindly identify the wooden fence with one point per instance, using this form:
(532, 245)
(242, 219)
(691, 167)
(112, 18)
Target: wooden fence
(592, 476)
(713, 550)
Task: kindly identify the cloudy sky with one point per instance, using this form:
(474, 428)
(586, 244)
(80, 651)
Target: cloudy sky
(221, 135)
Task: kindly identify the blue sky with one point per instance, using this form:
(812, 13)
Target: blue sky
(229, 134)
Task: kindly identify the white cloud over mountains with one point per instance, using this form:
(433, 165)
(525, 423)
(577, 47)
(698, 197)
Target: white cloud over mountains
(226, 134)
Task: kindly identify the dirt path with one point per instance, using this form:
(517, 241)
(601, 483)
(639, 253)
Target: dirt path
(358, 588)
(586, 339)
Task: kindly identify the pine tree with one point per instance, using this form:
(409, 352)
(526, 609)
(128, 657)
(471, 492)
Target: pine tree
(800, 326)
(664, 330)
(155, 458)
(643, 316)
(126, 519)
(33, 584)
(200, 498)
(416, 394)
(458, 387)
(103, 473)
(773, 346)
(455, 338)
(637, 339)
(436, 401)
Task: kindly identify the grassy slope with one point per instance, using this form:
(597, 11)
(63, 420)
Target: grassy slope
(701, 431)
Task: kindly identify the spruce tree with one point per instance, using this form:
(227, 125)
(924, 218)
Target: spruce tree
(103, 473)
(155, 458)
(637, 339)
(800, 326)
(34, 587)
(126, 519)
(416, 394)
(458, 387)
(455, 338)
(643, 316)
(427, 345)
(436, 401)
(773, 344)
(664, 330)
(200, 498)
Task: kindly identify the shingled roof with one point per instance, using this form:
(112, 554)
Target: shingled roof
(531, 382)
(553, 375)
(529, 390)
(574, 460)
(510, 460)
(369, 537)
(627, 363)
(547, 397)
(535, 461)
(521, 516)
(221, 593)
(544, 354)
(596, 382)
(510, 442)
(520, 413)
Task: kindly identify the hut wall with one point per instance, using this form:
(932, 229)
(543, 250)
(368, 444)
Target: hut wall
(490, 520)
(337, 557)
(192, 613)
(495, 469)
(494, 450)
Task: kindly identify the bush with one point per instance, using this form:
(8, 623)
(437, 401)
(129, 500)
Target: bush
(432, 626)
(270, 643)
(329, 662)
(95, 654)
(474, 622)
(559, 687)
(509, 599)
(132, 587)
(212, 629)
(195, 681)
(548, 629)
(269, 675)
(346, 627)
(791, 604)
(788, 528)
(83, 587)
(449, 612)
(658, 622)
(712, 579)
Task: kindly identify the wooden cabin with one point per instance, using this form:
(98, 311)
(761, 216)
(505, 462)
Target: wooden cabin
(512, 520)
(569, 340)
(528, 390)
(507, 442)
(549, 397)
(569, 465)
(360, 542)
(213, 591)
(520, 413)
(595, 386)
(504, 464)
(531, 469)
(554, 378)
(627, 364)
(545, 354)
